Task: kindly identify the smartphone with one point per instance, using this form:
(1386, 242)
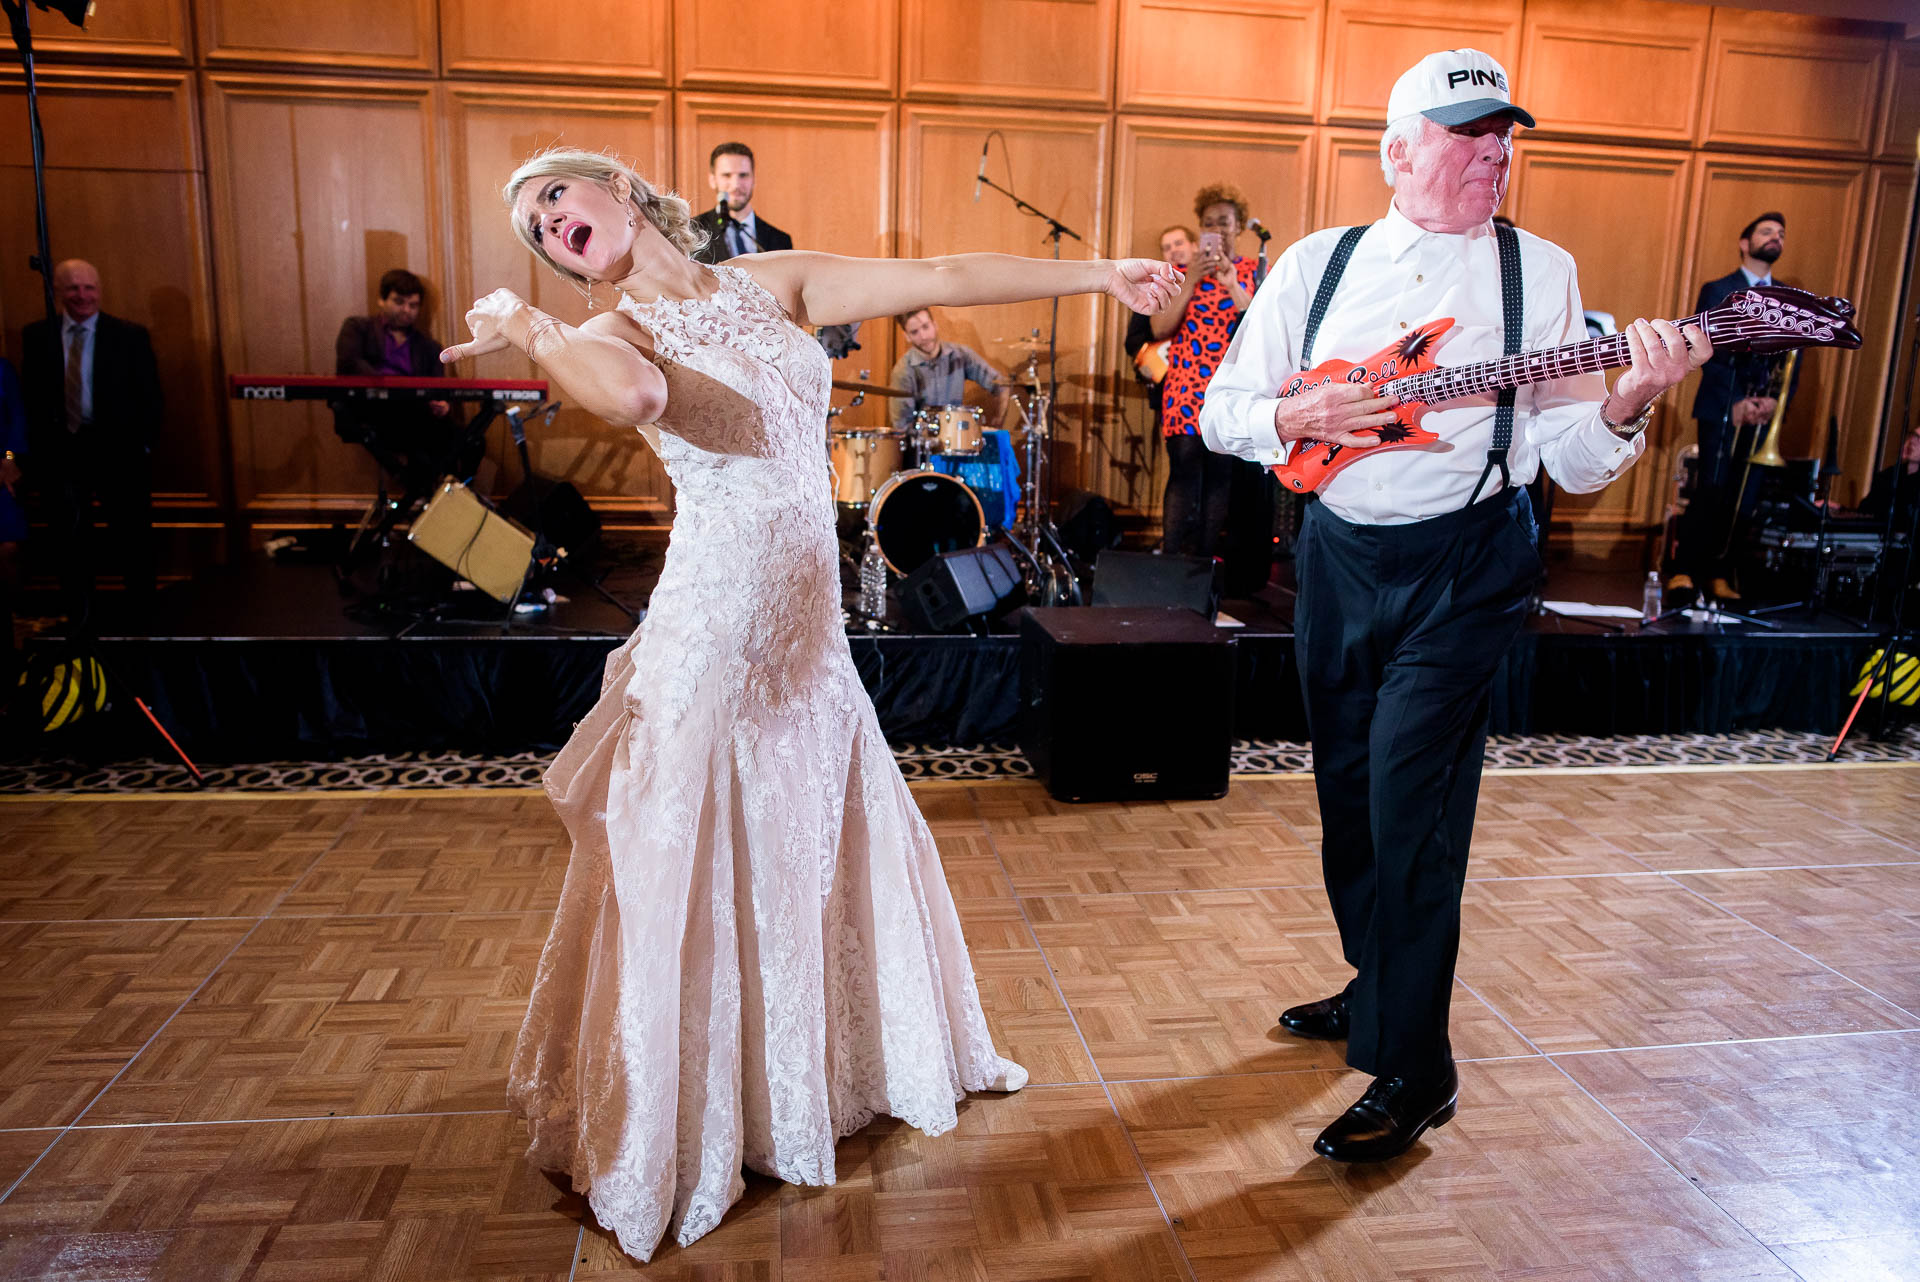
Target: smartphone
(1212, 243)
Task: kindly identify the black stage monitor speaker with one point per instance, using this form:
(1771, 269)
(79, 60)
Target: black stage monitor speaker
(954, 587)
(1145, 578)
(1126, 704)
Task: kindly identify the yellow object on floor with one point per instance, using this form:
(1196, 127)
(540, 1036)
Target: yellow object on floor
(1906, 678)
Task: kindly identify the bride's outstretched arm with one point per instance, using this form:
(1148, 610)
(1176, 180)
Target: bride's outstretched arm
(601, 366)
(827, 289)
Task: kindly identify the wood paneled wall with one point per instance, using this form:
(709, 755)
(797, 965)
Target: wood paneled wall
(243, 173)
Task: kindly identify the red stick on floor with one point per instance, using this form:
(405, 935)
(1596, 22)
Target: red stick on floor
(185, 760)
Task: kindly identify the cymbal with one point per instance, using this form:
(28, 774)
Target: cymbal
(871, 389)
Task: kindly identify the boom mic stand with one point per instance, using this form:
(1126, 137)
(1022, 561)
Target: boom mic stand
(1259, 229)
(727, 220)
(1041, 534)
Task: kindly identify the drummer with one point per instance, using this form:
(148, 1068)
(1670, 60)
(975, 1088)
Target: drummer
(936, 374)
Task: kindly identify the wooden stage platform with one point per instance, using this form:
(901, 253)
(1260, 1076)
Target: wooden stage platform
(266, 1038)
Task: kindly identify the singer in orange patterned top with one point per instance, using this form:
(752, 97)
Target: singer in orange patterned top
(1201, 321)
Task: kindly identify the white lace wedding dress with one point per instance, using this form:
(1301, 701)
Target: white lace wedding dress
(755, 951)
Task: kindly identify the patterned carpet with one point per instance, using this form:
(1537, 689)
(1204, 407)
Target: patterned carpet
(428, 771)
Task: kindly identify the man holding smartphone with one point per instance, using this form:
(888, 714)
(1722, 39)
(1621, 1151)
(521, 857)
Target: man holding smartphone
(1200, 322)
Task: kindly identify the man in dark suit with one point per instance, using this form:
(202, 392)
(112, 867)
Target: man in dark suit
(94, 411)
(740, 230)
(1732, 398)
(417, 445)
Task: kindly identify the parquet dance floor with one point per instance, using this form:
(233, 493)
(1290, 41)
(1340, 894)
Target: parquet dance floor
(266, 1038)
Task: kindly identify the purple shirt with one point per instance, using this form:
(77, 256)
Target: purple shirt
(393, 352)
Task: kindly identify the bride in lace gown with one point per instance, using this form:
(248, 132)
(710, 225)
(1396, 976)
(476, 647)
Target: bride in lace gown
(755, 951)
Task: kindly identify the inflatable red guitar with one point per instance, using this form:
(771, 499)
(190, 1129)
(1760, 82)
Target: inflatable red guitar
(1766, 318)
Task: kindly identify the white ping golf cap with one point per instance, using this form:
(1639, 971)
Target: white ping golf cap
(1453, 87)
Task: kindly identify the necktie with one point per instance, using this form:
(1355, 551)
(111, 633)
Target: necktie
(76, 388)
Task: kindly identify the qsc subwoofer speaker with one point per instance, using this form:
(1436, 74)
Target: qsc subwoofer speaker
(954, 587)
(1126, 704)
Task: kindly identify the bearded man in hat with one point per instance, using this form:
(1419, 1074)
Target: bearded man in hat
(1416, 565)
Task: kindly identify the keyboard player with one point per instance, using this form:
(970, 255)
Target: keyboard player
(416, 441)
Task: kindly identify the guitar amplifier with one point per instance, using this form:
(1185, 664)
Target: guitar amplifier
(461, 531)
(1123, 704)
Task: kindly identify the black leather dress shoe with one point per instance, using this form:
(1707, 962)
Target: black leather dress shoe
(1325, 1019)
(1390, 1117)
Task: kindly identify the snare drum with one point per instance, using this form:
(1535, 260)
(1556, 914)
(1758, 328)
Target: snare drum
(862, 459)
(952, 429)
(918, 515)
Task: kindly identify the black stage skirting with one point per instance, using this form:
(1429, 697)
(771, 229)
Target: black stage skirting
(272, 671)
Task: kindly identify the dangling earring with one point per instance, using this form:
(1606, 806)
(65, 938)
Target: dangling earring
(629, 222)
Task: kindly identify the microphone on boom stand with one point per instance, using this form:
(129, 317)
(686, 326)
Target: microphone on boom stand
(981, 175)
(727, 220)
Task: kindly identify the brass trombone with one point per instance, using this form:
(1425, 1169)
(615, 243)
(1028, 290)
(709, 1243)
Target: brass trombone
(1766, 450)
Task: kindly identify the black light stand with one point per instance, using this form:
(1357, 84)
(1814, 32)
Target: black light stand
(76, 12)
(91, 673)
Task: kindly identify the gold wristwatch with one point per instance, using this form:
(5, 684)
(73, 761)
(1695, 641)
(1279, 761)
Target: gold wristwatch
(1632, 427)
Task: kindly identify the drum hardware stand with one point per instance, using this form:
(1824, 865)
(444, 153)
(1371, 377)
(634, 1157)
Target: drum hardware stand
(1051, 566)
(835, 411)
(1053, 579)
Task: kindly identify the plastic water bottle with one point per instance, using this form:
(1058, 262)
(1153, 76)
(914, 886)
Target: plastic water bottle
(1650, 598)
(873, 580)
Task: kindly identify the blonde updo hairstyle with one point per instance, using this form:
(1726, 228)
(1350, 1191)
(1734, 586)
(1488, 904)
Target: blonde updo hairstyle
(669, 213)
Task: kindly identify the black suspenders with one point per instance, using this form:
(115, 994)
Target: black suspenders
(1513, 310)
(1329, 281)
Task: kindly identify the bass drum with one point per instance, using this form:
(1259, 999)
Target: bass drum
(918, 515)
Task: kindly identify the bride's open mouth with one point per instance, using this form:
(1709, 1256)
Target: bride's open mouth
(576, 237)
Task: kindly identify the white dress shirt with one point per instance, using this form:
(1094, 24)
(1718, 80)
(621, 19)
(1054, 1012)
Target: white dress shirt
(1400, 277)
(91, 327)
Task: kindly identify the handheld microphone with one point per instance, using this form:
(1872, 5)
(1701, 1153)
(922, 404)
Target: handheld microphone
(981, 176)
(1259, 229)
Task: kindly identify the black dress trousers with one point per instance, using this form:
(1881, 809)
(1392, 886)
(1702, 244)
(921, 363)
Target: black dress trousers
(1398, 632)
